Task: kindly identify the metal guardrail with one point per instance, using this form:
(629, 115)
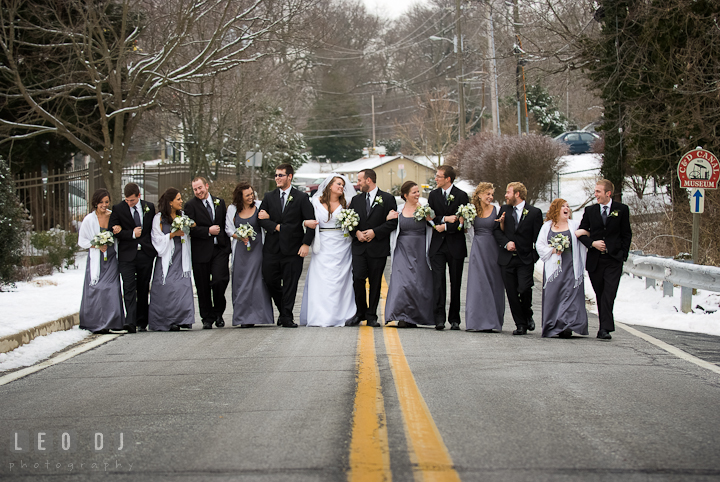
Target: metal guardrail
(672, 272)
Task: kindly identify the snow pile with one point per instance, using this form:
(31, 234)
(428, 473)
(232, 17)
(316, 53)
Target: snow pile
(41, 348)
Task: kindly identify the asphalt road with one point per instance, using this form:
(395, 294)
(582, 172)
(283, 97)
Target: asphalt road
(273, 404)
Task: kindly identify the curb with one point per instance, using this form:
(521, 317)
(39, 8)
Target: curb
(10, 342)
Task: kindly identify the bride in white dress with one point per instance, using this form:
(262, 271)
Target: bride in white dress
(328, 298)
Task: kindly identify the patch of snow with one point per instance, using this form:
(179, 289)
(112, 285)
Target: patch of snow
(41, 348)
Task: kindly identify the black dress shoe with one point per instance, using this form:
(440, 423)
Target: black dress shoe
(207, 325)
(373, 323)
(454, 325)
(219, 322)
(531, 325)
(174, 328)
(354, 321)
(247, 325)
(521, 330)
(102, 332)
(289, 324)
(604, 335)
(142, 328)
(566, 333)
(129, 329)
(487, 331)
(440, 326)
(186, 326)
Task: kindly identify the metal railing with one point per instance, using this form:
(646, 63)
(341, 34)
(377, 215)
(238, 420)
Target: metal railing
(672, 272)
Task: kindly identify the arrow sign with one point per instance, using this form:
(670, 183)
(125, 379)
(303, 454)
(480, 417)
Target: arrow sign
(697, 200)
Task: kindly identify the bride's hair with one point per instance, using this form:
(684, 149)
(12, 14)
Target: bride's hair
(325, 197)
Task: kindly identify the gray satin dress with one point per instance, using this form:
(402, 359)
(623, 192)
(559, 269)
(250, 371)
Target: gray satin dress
(171, 303)
(250, 296)
(101, 307)
(485, 300)
(563, 306)
(410, 291)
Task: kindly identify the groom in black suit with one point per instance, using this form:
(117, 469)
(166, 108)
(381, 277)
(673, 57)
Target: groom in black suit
(447, 246)
(282, 214)
(136, 254)
(517, 255)
(210, 248)
(608, 246)
(370, 245)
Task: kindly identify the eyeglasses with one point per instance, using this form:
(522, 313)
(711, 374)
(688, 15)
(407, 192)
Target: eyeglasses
(280, 175)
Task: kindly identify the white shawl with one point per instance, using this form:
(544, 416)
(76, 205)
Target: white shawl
(553, 263)
(230, 230)
(165, 248)
(89, 227)
(394, 235)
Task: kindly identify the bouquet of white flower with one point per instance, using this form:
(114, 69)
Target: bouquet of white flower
(347, 220)
(560, 242)
(182, 223)
(246, 231)
(103, 238)
(468, 213)
(422, 212)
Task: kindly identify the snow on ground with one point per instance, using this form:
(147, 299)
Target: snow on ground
(41, 348)
(43, 299)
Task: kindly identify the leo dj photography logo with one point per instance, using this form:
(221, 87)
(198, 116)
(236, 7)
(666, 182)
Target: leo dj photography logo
(70, 441)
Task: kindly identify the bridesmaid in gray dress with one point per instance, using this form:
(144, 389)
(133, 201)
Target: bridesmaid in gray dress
(563, 295)
(485, 300)
(409, 298)
(101, 308)
(172, 305)
(250, 296)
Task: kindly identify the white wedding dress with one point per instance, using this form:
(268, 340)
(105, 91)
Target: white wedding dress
(328, 298)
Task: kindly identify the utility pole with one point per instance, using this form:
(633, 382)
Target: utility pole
(372, 100)
(519, 71)
(459, 73)
(494, 105)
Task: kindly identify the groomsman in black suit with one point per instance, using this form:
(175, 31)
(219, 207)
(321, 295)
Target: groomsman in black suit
(136, 254)
(517, 253)
(210, 248)
(608, 246)
(370, 245)
(282, 214)
(447, 247)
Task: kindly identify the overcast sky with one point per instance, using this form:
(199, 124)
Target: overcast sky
(389, 8)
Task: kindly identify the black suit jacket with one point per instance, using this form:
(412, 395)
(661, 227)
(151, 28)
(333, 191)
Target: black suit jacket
(202, 241)
(122, 217)
(454, 238)
(617, 234)
(292, 235)
(379, 247)
(524, 235)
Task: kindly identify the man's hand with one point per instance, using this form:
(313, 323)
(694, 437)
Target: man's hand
(304, 250)
(137, 232)
(277, 227)
(439, 228)
(599, 245)
(369, 234)
(103, 248)
(511, 246)
(450, 219)
(361, 236)
(116, 229)
(214, 230)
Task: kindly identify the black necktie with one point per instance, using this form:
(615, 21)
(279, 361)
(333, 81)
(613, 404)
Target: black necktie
(282, 201)
(517, 216)
(604, 215)
(136, 217)
(367, 204)
(209, 209)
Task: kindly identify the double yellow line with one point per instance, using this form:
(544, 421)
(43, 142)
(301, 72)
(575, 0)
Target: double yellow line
(369, 451)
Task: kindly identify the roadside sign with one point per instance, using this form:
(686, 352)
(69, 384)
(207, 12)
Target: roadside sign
(401, 167)
(253, 159)
(699, 169)
(697, 200)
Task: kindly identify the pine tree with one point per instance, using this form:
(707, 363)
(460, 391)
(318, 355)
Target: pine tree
(12, 216)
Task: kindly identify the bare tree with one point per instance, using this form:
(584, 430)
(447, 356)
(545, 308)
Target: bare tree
(432, 129)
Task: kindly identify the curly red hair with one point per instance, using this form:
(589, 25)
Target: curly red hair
(553, 213)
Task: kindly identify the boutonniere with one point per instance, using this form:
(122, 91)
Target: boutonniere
(378, 200)
(613, 214)
(216, 201)
(290, 198)
(146, 209)
(450, 198)
(525, 211)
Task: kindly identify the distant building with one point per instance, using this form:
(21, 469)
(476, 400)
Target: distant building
(391, 170)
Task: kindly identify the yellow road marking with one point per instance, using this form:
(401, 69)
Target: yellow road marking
(428, 453)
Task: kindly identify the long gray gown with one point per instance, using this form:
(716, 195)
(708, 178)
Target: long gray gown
(250, 296)
(171, 303)
(101, 307)
(409, 297)
(563, 306)
(485, 300)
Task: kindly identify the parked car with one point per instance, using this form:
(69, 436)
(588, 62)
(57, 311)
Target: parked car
(579, 142)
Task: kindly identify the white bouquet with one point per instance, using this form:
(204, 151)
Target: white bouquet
(103, 238)
(246, 231)
(182, 223)
(468, 213)
(347, 220)
(422, 212)
(560, 242)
